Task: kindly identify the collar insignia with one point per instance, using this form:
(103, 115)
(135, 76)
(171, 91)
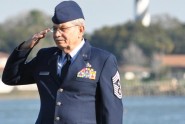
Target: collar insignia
(88, 65)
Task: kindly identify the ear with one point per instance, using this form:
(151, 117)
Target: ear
(81, 30)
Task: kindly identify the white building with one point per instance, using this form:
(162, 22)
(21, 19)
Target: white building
(7, 89)
(3, 59)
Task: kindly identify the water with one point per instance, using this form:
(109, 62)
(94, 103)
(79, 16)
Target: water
(138, 110)
(154, 110)
(18, 111)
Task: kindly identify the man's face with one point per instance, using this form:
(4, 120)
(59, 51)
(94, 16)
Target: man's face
(67, 36)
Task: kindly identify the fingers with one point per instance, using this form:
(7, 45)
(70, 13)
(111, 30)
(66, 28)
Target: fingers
(32, 41)
(40, 35)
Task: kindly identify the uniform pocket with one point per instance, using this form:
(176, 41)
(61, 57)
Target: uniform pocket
(85, 80)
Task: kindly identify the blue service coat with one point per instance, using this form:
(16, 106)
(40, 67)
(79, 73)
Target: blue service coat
(90, 93)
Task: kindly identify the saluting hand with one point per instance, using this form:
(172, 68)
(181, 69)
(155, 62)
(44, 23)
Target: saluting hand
(31, 42)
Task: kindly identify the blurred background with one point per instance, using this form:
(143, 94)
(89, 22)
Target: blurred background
(146, 36)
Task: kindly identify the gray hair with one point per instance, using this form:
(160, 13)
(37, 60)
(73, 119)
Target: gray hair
(80, 22)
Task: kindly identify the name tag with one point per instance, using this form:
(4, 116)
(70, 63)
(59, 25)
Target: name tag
(44, 73)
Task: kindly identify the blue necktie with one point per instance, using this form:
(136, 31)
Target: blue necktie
(65, 67)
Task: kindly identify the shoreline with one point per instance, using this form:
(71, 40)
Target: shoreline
(132, 88)
(20, 95)
(127, 91)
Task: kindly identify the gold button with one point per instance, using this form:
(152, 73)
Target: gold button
(58, 103)
(57, 118)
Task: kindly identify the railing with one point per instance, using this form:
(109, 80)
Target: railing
(154, 88)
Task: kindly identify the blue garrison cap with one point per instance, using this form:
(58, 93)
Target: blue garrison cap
(67, 11)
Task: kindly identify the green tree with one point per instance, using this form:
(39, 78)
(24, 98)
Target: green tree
(15, 31)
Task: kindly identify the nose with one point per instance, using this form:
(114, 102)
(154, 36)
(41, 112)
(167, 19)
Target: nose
(57, 33)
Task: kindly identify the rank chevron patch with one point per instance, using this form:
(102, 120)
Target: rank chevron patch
(117, 85)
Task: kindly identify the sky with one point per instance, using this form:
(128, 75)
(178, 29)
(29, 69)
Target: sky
(98, 13)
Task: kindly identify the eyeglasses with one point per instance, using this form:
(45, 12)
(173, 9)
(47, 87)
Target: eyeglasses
(61, 29)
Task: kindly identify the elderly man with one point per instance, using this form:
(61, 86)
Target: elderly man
(77, 83)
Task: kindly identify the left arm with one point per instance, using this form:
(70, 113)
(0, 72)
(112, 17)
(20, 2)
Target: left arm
(111, 95)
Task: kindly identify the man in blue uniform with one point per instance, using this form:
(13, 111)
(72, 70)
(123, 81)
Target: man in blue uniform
(77, 83)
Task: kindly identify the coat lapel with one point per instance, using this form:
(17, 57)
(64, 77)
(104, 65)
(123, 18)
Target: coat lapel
(53, 65)
(79, 63)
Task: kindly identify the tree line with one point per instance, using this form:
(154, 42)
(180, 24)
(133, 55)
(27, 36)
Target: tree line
(131, 42)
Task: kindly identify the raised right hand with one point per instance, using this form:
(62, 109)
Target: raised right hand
(34, 40)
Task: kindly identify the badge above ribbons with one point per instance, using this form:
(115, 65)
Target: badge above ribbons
(87, 72)
(117, 85)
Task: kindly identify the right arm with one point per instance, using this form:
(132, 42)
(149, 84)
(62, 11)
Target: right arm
(17, 71)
